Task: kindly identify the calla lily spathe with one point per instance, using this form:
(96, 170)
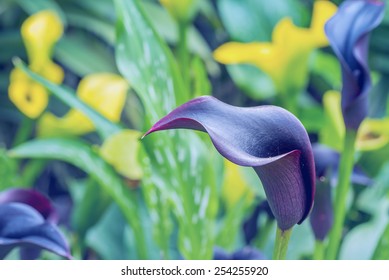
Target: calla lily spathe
(40, 32)
(104, 92)
(267, 138)
(27, 221)
(285, 59)
(348, 32)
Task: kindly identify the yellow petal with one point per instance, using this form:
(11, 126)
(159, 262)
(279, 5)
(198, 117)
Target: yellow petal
(322, 12)
(291, 38)
(333, 132)
(40, 32)
(253, 53)
(73, 123)
(373, 134)
(30, 98)
(104, 92)
(18, 75)
(50, 71)
(122, 152)
(235, 187)
(263, 55)
(285, 60)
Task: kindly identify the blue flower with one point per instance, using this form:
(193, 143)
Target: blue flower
(348, 32)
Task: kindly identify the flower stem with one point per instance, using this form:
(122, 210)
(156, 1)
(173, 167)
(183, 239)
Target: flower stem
(345, 169)
(281, 245)
(318, 254)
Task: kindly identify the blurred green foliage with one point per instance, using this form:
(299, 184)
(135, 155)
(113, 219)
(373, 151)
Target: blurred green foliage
(176, 209)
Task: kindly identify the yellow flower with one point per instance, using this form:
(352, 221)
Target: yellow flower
(40, 32)
(235, 187)
(285, 59)
(104, 92)
(373, 134)
(181, 10)
(122, 152)
(333, 131)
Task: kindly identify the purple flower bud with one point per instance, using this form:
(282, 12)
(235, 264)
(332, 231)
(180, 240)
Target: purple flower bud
(322, 216)
(267, 138)
(348, 32)
(327, 164)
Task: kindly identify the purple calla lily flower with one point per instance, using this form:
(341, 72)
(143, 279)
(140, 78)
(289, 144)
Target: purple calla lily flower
(326, 163)
(348, 32)
(267, 138)
(32, 198)
(26, 221)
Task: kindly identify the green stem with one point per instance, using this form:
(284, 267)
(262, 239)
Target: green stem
(344, 173)
(281, 244)
(24, 131)
(319, 250)
(183, 53)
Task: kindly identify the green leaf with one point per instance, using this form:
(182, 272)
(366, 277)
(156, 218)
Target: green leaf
(84, 55)
(373, 161)
(256, 84)
(382, 250)
(312, 117)
(102, 9)
(254, 20)
(109, 238)
(327, 66)
(362, 240)
(202, 85)
(146, 62)
(8, 171)
(90, 202)
(103, 126)
(81, 155)
(231, 225)
(180, 164)
(166, 26)
(32, 7)
(11, 45)
(378, 98)
(103, 28)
